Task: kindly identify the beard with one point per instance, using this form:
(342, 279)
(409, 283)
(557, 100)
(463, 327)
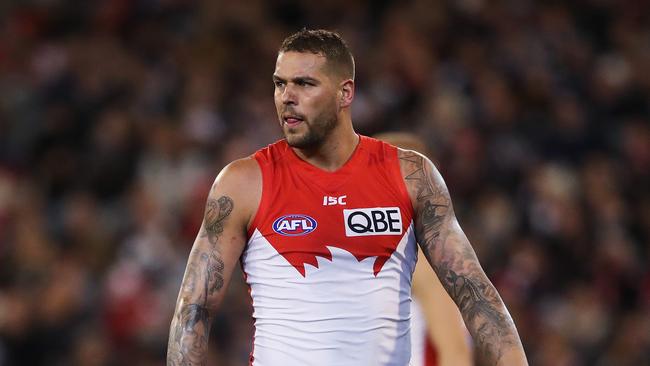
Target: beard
(314, 133)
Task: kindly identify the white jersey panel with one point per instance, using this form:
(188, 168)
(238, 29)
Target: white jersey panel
(339, 313)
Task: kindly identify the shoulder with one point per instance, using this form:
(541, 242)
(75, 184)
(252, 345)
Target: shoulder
(240, 171)
(240, 182)
(380, 150)
(271, 153)
(423, 180)
(411, 162)
(374, 144)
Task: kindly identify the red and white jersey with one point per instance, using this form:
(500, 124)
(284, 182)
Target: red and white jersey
(329, 260)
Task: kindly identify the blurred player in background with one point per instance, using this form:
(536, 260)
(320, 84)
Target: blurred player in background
(326, 223)
(438, 334)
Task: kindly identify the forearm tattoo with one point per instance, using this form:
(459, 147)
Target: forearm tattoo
(455, 262)
(188, 336)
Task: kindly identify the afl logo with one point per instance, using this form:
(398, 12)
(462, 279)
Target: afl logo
(294, 225)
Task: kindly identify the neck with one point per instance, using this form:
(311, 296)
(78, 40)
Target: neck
(335, 151)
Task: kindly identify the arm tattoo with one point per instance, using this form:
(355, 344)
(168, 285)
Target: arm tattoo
(216, 211)
(215, 267)
(433, 215)
(455, 262)
(417, 175)
(188, 339)
(480, 304)
(433, 204)
(188, 336)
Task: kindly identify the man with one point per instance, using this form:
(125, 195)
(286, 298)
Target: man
(325, 223)
(438, 334)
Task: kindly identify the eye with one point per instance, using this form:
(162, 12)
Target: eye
(278, 83)
(303, 83)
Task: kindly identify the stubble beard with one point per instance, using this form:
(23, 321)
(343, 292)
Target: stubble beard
(316, 132)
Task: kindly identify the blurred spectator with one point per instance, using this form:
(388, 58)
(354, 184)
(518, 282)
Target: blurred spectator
(115, 116)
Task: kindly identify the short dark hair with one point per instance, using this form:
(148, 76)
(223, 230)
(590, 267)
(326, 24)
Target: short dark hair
(322, 42)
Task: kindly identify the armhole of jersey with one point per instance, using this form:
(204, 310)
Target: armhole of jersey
(262, 206)
(393, 152)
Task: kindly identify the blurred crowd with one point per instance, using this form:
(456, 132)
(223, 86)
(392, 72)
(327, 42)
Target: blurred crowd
(116, 115)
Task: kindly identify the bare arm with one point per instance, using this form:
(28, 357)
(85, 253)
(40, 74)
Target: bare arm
(450, 254)
(444, 323)
(215, 252)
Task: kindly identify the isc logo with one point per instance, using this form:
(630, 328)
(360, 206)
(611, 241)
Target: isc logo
(334, 200)
(294, 225)
(373, 221)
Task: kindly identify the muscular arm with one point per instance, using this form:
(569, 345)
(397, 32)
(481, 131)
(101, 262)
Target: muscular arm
(451, 256)
(215, 252)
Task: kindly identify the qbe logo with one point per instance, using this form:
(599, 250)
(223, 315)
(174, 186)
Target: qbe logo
(294, 225)
(373, 221)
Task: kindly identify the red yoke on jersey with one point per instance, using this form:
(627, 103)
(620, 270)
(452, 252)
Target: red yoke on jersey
(363, 207)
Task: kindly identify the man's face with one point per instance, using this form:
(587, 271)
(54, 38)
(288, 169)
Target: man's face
(305, 98)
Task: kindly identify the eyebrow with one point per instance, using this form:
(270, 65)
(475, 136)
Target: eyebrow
(297, 78)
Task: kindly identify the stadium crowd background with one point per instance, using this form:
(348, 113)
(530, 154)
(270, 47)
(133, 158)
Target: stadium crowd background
(115, 116)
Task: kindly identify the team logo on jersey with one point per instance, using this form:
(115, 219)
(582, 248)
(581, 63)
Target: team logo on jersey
(294, 225)
(373, 221)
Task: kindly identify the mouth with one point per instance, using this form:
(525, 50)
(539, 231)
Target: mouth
(292, 120)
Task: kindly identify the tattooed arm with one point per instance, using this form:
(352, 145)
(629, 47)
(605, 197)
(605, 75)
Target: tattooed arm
(232, 200)
(450, 254)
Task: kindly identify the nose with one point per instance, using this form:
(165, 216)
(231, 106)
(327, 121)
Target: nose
(288, 96)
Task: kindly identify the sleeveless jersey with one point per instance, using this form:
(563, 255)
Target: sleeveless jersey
(329, 260)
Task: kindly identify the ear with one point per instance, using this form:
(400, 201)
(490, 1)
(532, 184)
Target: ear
(346, 92)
